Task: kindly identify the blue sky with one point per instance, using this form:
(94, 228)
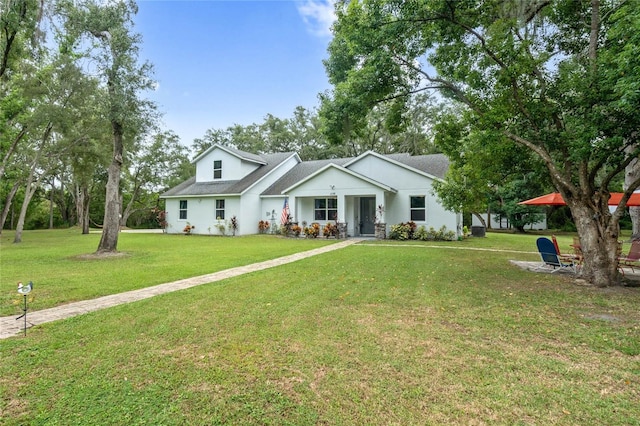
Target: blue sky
(219, 63)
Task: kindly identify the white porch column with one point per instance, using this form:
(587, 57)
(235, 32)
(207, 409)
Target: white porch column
(293, 208)
(380, 215)
(342, 208)
(380, 225)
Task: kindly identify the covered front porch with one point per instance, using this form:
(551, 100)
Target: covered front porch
(357, 214)
(338, 195)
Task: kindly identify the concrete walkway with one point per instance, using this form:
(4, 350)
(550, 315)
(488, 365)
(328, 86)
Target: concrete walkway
(10, 327)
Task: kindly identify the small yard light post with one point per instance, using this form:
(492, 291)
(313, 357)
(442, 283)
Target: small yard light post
(24, 290)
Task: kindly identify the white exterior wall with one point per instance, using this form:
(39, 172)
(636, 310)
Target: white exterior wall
(172, 206)
(253, 209)
(333, 183)
(248, 208)
(398, 209)
(398, 205)
(201, 214)
(496, 223)
(233, 168)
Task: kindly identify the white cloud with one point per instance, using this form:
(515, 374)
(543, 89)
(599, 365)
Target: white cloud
(319, 15)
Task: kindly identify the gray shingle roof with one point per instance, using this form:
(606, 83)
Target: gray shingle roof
(435, 165)
(299, 172)
(248, 155)
(192, 188)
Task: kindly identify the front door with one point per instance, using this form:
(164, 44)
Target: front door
(367, 215)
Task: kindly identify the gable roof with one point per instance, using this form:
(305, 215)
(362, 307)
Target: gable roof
(190, 187)
(344, 170)
(300, 172)
(243, 155)
(433, 166)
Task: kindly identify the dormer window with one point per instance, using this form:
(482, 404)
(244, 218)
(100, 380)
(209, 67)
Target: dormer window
(217, 169)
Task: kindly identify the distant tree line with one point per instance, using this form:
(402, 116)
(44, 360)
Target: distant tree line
(81, 146)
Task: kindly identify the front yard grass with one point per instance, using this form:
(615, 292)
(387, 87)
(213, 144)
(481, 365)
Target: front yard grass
(370, 334)
(63, 269)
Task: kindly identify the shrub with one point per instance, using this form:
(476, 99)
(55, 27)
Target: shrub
(263, 226)
(221, 226)
(296, 230)
(409, 231)
(233, 225)
(420, 233)
(312, 231)
(330, 230)
(187, 229)
(161, 217)
(400, 232)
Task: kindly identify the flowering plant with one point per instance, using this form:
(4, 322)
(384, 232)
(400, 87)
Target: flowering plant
(263, 226)
(330, 230)
(312, 231)
(296, 229)
(233, 225)
(161, 217)
(187, 229)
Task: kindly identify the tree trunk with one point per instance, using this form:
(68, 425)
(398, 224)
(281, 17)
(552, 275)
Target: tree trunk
(11, 149)
(82, 207)
(30, 189)
(128, 210)
(632, 173)
(31, 186)
(480, 218)
(634, 212)
(599, 242)
(7, 204)
(85, 215)
(51, 205)
(112, 208)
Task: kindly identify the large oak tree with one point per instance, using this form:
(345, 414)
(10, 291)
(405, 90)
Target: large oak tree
(107, 28)
(559, 78)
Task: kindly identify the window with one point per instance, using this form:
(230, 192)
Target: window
(325, 209)
(217, 169)
(183, 209)
(220, 209)
(418, 209)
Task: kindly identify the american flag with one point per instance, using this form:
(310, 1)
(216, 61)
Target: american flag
(284, 219)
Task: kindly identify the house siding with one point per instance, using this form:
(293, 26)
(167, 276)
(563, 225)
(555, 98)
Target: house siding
(233, 168)
(201, 213)
(254, 188)
(409, 183)
(333, 183)
(253, 209)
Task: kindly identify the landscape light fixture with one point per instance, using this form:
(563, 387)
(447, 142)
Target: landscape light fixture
(24, 290)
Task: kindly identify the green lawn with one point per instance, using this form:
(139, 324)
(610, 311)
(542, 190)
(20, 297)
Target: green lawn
(371, 334)
(62, 269)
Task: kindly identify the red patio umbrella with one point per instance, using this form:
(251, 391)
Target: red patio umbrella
(633, 201)
(555, 199)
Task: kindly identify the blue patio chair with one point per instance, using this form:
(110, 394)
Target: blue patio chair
(550, 256)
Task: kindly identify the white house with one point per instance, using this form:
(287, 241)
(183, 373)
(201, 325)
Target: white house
(501, 222)
(350, 191)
